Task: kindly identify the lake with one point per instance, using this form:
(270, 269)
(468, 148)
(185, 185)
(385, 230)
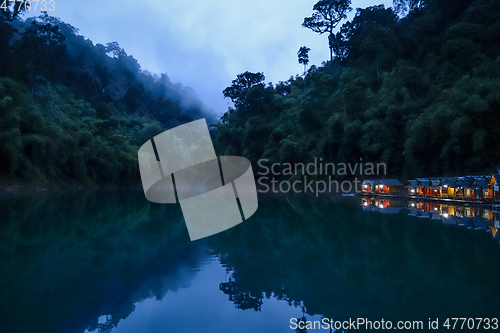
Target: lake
(110, 261)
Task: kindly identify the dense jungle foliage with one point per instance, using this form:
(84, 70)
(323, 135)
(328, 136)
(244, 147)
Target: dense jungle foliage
(419, 92)
(72, 112)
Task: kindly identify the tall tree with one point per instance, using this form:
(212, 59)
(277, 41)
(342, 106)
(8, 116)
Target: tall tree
(304, 56)
(326, 16)
(239, 87)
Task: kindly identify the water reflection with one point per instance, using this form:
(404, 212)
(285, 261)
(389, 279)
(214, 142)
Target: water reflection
(480, 217)
(68, 258)
(111, 261)
(342, 262)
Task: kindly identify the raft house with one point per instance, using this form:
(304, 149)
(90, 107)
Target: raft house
(478, 189)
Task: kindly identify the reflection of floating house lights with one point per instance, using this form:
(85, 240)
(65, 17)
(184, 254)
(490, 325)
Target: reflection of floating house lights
(381, 206)
(445, 215)
(435, 208)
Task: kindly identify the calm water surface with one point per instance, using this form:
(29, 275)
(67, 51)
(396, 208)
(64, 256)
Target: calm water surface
(110, 261)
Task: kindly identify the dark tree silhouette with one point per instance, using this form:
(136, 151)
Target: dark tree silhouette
(236, 92)
(327, 15)
(303, 55)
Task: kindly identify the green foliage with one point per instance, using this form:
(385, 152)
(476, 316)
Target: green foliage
(239, 88)
(75, 113)
(420, 93)
(326, 16)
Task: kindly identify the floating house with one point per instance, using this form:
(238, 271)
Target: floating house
(388, 186)
(381, 186)
(414, 188)
(470, 188)
(481, 186)
(447, 187)
(463, 187)
(368, 185)
(434, 190)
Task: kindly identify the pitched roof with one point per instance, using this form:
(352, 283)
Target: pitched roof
(435, 181)
(390, 182)
(480, 182)
(425, 182)
(463, 182)
(413, 183)
(372, 182)
(448, 181)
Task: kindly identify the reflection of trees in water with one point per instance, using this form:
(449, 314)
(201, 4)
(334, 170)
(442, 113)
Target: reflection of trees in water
(106, 326)
(301, 322)
(242, 300)
(343, 263)
(66, 259)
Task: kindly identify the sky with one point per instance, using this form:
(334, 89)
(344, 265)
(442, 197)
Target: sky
(204, 44)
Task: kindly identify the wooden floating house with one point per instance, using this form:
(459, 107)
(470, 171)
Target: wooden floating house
(469, 188)
(381, 186)
(482, 188)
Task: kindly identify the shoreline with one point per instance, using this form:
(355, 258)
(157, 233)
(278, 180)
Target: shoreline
(464, 202)
(36, 187)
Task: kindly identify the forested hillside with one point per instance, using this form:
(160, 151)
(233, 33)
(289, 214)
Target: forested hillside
(75, 113)
(419, 92)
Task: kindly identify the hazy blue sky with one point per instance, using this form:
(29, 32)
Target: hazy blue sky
(204, 44)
